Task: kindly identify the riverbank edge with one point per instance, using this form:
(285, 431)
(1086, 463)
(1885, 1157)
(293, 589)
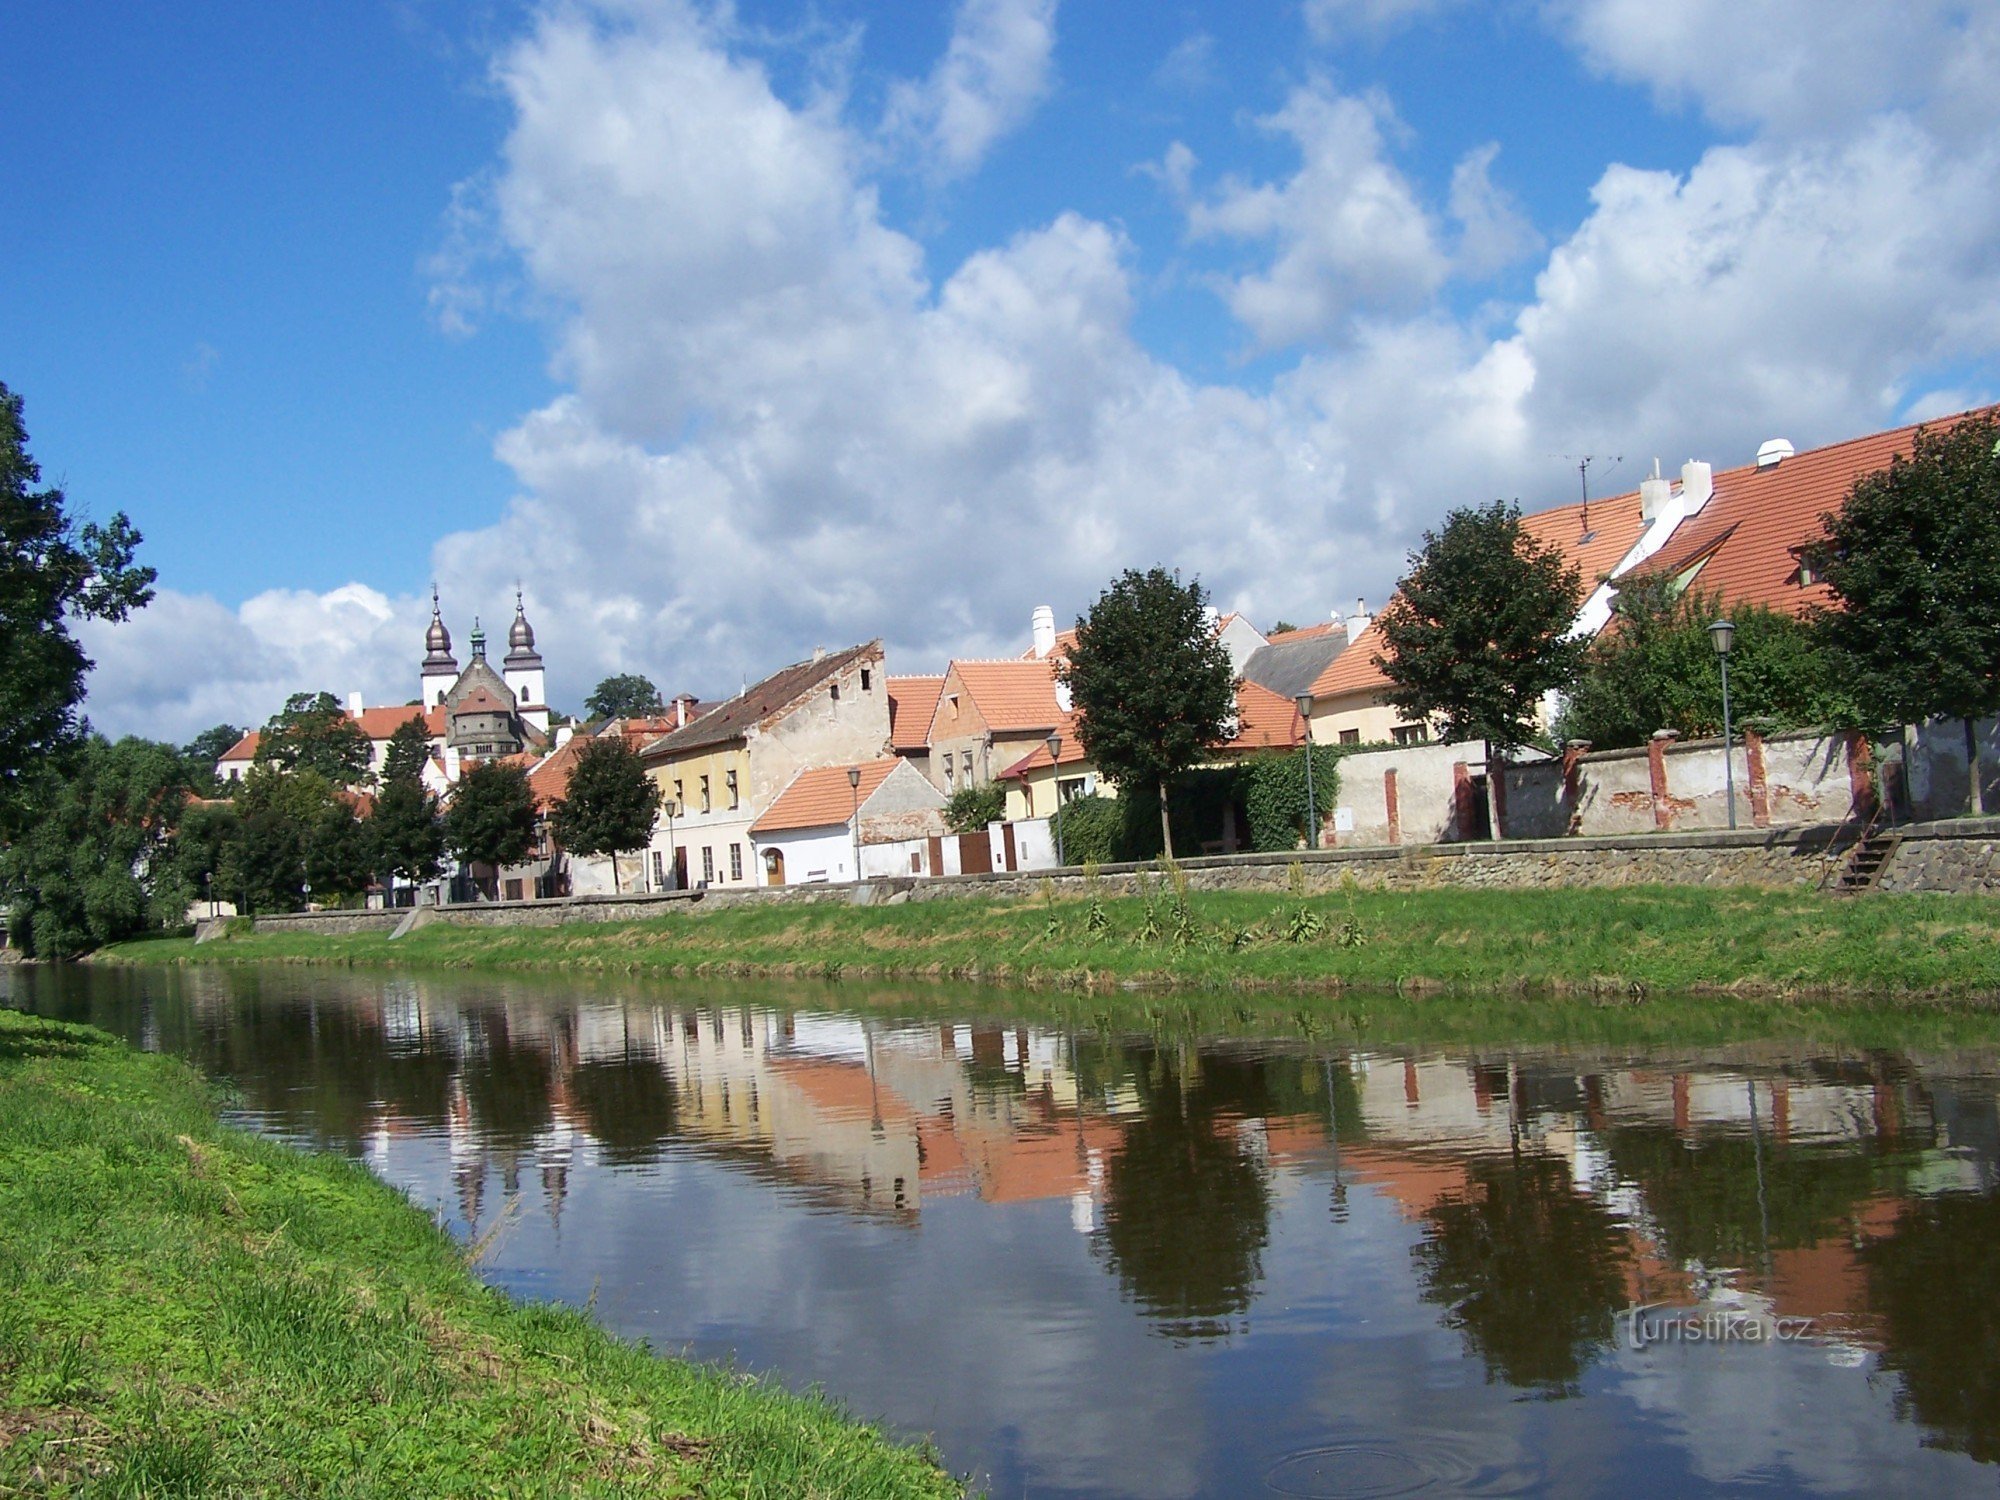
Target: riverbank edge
(1747, 943)
(193, 1308)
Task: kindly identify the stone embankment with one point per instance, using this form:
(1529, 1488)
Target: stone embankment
(1959, 855)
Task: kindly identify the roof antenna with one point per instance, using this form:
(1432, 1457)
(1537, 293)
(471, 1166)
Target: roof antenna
(1583, 461)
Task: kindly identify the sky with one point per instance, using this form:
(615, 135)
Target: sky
(728, 332)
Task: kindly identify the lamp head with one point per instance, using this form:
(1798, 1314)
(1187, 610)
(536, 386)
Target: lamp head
(854, 777)
(1054, 742)
(1723, 635)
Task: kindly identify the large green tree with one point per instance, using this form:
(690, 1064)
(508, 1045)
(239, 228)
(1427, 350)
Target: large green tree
(406, 825)
(296, 829)
(312, 732)
(1151, 683)
(1654, 667)
(625, 696)
(491, 817)
(208, 747)
(53, 572)
(89, 864)
(1478, 632)
(1911, 557)
(610, 804)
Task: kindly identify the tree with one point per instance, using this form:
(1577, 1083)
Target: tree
(89, 864)
(208, 747)
(407, 830)
(491, 819)
(971, 808)
(1911, 557)
(201, 848)
(340, 853)
(626, 696)
(52, 572)
(1478, 631)
(1654, 667)
(1152, 686)
(312, 732)
(290, 834)
(611, 802)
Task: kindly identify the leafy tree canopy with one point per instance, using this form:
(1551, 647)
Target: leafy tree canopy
(88, 866)
(406, 826)
(287, 820)
(312, 732)
(1911, 557)
(1478, 630)
(491, 819)
(409, 750)
(625, 696)
(52, 572)
(1654, 667)
(1152, 686)
(611, 802)
(971, 808)
(208, 747)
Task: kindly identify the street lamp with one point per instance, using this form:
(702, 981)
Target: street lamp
(673, 869)
(1723, 634)
(1305, 703)
(854, 786)
(1054, 742)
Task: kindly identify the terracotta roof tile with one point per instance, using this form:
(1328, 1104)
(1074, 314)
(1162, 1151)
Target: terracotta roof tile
(243, 749)
(1037, 759)
(763, 700)
(1757, 516)
(549, 780)
(1264, 720)
(1013, 697)
(821, 798)
(1303, 633)
(912, 702)
(1354, 670)
(380, 723)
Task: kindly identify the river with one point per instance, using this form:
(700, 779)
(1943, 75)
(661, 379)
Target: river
(1101, 1259)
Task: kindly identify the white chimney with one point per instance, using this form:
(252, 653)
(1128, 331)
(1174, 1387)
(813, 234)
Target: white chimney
(1211, 617)
(819, 653)
(1654, 494)
(1042, 629)
(354, 704)
(1358, 621)
(564, 734)
(1697, 485)
(1773, 453)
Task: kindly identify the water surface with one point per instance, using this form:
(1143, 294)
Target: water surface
(1099, 1262)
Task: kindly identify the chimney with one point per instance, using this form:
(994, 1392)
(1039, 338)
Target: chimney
(1042, 629)
(1773, 453)
(1654, 494)
(1697, 485)
(1211, 617)
(354, 704)
(564, 734)
(1358, 621)
(819, 653)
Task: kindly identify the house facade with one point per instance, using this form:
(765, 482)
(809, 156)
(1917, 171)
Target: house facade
(886, 810)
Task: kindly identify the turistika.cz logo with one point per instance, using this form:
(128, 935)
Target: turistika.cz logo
(1656, 1323)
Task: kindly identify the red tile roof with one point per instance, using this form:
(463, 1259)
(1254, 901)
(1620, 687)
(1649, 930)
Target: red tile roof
(1303, 633)
(380, 723)
(1013, 697)
(243, 749)
(1743, 538)
(1264, 720)
(821, 798)
(912, 701)
(1037, 759)
(549, 781)
(1354, 670)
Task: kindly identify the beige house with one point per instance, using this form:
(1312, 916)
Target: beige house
(718, 774)
(989, 715)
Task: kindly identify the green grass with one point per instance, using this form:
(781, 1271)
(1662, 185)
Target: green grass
(1630, 941)
(192, 1310)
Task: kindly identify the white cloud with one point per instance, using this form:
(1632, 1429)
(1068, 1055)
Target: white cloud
(995, 70)
(1493, 232)
(1330, 21)
(1189, 66)
(1349, 233)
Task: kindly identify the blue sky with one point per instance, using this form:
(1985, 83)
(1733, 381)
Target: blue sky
(732, 332)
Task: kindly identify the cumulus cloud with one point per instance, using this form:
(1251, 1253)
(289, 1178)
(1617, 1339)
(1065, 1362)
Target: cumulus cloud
(782, 426)
(994, 72)
(1349, 232)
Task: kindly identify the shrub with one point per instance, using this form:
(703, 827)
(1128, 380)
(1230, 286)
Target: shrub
(971, 808)
(1274, 795)
(1091, 830)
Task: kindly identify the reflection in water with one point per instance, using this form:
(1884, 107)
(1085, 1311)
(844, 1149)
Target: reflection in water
(1095, 1264)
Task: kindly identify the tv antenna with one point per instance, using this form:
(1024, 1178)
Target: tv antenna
(1583, 461)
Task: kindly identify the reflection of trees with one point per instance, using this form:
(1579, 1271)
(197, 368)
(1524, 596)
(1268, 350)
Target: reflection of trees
(1187, 1211)
(1704, 1198)
(1531, 1271)
(509, 1082)
(628, 1104)
(1932, 1282)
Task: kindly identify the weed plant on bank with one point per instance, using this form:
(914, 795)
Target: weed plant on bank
(1594, 942)
(192, 1310)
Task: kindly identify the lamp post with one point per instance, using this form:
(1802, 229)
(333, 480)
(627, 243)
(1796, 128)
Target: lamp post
(1305, 703)
(1054, 742)
(854, 787)
(672, 881)
(1723, 634)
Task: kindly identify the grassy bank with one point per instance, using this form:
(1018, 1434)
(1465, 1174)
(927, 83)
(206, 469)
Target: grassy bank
(1599, 942)
(191, 1310)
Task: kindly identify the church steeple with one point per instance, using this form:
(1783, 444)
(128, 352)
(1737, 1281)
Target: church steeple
(478, 641)
(523, 667)
(440, 666)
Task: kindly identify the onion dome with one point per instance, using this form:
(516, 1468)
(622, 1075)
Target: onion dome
(437, 640)
(521, 635)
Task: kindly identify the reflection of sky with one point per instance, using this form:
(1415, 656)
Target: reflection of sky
(1002, 1332)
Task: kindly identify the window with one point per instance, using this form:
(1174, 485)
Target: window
(735, 861)
(704, 794)
(680, 796)
(1350, 736)
(949, 785)
(659, 871)
(866, 680)
(707, 866)
(965, 766)
(1069, 788)
(729, 785)
(836, 692)
(1410, 734)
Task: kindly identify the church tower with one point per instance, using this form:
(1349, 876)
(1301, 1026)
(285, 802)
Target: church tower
(440, 666)
(522, 669)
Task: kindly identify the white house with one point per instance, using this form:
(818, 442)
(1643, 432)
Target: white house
(887, 809)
